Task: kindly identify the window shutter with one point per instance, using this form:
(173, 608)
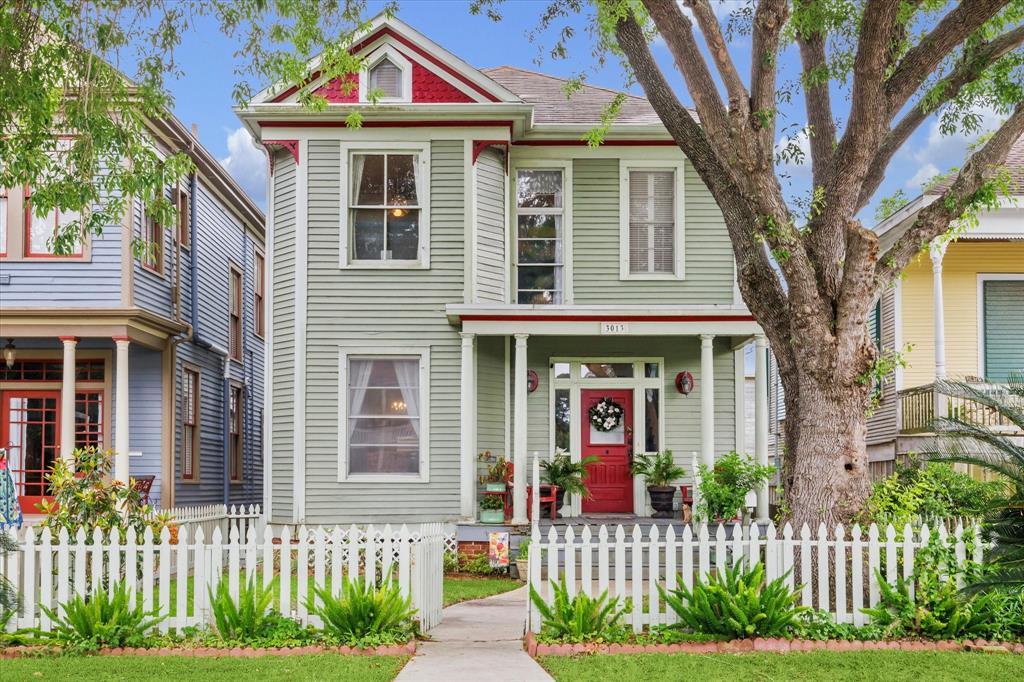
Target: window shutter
(651, 221)
(386, 77)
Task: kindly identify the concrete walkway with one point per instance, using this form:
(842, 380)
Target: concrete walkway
(477, 640)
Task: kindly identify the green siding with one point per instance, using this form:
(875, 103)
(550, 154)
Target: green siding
(490, 226)
(378, 308)
(595, 244)
(1004, 328)
(282, 409)
(490, 399)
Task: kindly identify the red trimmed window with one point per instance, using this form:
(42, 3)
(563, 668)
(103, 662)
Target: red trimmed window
(235, 417)
(153, 235)
(40, 231)
(189, 424)
(183, 205)
(235, 322)
(89, 419)
(259, 314)
(3, 221)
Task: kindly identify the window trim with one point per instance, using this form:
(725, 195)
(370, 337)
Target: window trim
(512, 248)
(26, 234)
(5, 226)
(183, 234)
(197, 423)
(390, 53)
(679, 233)
(422, 353)
(345, 261)
(259, 293)
(158, 268)
(983, 277)
(239, 455)
(237, 350)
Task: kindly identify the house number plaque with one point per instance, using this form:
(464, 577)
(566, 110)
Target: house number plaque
(614, 328)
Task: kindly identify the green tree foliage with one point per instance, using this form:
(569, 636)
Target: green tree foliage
(929, 492)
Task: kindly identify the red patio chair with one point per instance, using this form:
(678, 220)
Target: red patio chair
(548, 496)
(143, 485)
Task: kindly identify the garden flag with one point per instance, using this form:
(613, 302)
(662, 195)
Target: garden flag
(497, 549)
(10, 510)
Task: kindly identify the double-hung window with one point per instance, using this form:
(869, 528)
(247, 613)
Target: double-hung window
(41, 230)
(260, 277)
(190, 424)
(540, 226)
(651, 205)
(385, 417)
(237, 402)
(235, 313)
(3, 221)
(153, 235)
(385, 208)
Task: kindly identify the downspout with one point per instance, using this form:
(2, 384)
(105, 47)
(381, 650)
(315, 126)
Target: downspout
(199, 341)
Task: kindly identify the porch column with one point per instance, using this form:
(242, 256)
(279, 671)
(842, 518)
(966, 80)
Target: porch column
(121, 414)
(67, 400)
(522, 476)
(467, 437)
(707, 399)
(761, 418)
(937, 251)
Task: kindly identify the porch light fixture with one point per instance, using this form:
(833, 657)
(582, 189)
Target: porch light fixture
(9, 353)
(684, 382)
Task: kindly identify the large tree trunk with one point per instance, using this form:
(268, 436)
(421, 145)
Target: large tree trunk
(825, 471)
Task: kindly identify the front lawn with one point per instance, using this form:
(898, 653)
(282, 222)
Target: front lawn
(163, 668)
(887, 666)
(459, 588)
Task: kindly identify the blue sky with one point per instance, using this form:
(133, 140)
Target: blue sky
(203, 95)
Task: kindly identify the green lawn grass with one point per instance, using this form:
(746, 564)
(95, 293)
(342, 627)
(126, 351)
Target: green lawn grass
(886, 666)
(163, 668)
(459, 588)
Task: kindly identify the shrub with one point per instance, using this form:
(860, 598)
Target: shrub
(737, 603)
(9, 598)
(104, 619)
(658, 469)
(931, 492)
(579, 618)
(723, 489)
(478, 564)
(364, 611)
(491, 503)
(244, 618)
(523, 551)
(84, 497)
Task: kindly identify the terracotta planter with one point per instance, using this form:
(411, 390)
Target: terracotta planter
(661, 500)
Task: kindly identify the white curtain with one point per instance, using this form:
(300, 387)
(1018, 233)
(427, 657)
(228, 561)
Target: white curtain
(358, 379)
(358, 161)
(408, 373)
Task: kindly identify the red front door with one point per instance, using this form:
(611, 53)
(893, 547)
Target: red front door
(609, 480)
(30, 430)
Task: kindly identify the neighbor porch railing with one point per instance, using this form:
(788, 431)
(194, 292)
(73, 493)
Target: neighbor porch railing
(919, 405)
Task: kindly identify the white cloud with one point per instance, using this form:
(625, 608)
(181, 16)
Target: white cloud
(247, 165)
(796, 149)
(941, 152)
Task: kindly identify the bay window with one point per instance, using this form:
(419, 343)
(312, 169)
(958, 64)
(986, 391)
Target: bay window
(384, 415)
(540, 258)
(385, 205)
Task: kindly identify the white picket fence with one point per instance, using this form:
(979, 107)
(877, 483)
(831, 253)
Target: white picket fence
(836, 570)
(48, 570)
(212, 516)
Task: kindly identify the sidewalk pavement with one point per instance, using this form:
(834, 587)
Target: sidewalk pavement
(476, 640)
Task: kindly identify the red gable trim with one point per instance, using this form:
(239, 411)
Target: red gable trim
(443, 123)
(387, 30)
(606, 143)
(480, 145)
(607, 318)
(288, 145)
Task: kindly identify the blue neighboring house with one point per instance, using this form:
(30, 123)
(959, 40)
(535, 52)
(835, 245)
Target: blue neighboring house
(167, 350)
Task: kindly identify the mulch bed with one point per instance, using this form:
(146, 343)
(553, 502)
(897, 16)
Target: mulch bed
(779, 646)
(407, 649)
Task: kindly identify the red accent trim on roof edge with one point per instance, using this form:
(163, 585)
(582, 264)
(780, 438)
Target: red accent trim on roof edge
(606, 143)
(607, 318)
(480, 145)
(288, 145)
(442, 123)
(387, 30)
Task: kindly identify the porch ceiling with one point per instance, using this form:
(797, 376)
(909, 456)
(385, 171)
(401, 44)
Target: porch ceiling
(141, 326)
(575, 320)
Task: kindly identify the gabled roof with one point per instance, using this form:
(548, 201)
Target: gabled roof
(551, 105)
(1014, 165)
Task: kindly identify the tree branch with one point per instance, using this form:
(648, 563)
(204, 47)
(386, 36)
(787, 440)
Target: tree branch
(934, 219)
(739, 99)
(922, 59)
(818, 101)
(769, 19)
(970, 68)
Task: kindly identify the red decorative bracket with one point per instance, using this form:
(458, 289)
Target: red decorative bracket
(480, 145)
(288, 145)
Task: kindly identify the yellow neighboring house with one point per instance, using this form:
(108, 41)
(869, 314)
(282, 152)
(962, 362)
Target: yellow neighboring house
(960, 306)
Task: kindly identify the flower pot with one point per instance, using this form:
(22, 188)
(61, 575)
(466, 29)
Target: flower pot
(559, 499)
(661, 500)
(498, 487)
(522, 568)
(492, 516)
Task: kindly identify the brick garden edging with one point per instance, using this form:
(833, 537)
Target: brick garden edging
(407, 649)
(775, 645)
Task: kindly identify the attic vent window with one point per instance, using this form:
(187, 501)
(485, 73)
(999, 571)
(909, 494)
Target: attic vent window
(387, 78)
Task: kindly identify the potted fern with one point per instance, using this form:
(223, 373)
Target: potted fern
(660, 471)
(568, 475)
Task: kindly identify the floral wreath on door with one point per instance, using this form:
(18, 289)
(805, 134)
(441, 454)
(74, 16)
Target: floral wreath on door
(606, 415)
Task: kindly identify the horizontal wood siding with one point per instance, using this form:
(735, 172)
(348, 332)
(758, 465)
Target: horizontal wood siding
(490, 397)
(284, 336)
(595, 244)
(377, 308)
(490, 226)
(150, 290)
(145, 414)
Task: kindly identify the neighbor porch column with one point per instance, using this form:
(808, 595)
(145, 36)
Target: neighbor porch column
(761, 418)
(522, 476)
(121, 414)
(937, 251)
(467, 437)
(707, 399)
(67, 400)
